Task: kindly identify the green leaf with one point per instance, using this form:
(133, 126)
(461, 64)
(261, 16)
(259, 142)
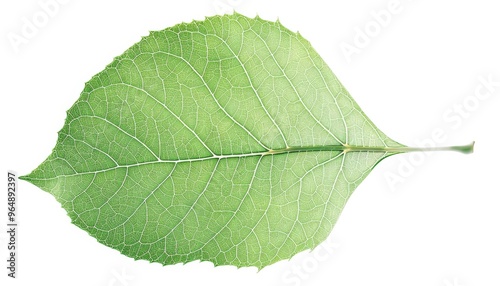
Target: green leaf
(226, 140)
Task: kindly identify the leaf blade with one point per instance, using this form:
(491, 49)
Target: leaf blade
(168, 154)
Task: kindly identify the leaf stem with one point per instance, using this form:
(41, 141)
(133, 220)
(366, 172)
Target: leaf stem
(466, 149)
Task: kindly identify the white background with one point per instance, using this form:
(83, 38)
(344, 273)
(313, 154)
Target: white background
(439, 224)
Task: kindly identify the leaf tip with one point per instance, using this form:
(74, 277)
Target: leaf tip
(24, 178)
